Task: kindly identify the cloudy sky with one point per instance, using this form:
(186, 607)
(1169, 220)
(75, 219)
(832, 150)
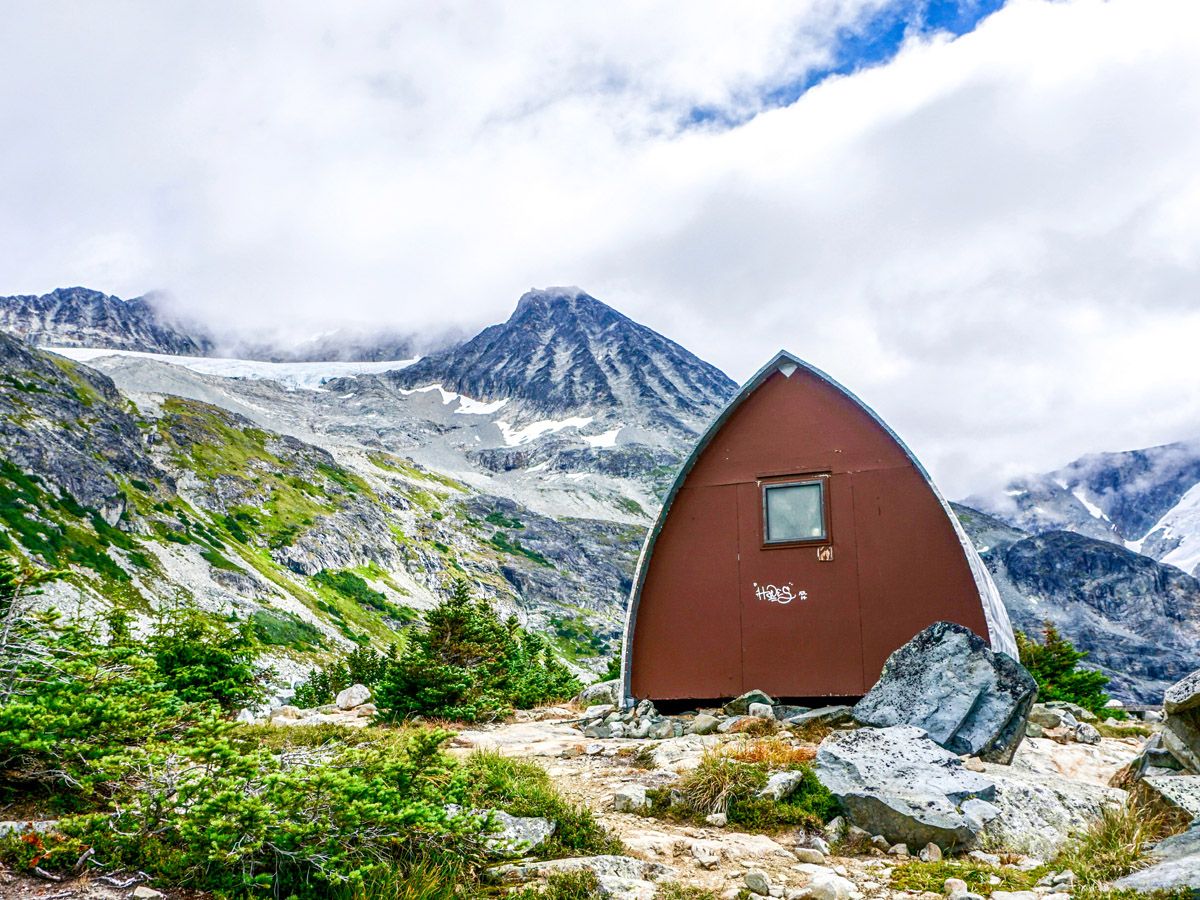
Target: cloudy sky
(983, 217)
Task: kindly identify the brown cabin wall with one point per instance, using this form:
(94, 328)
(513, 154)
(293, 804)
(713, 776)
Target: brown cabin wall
(702, 632)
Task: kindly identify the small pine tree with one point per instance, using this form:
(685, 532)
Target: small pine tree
(205, 659)
(1053, 665)
(469, 665)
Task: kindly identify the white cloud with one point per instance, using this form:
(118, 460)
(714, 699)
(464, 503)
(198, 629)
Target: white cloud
(995, 240)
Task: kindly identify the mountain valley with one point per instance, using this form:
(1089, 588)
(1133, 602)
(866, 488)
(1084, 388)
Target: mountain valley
(333, 501)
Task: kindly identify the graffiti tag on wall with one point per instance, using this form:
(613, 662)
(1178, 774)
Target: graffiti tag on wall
(784, 593)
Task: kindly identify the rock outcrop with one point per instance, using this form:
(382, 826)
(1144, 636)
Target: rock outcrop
(947, 682)
(897, 782)
(1181, 728)
(1176, 866)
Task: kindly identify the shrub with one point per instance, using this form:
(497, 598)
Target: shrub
(203, 659)
(523, 788)
(1053, 665)
(722, 783)
(613, 671)
(284, 629)
(771, 751)
(79, 710)
(211, 813)
(1115, 844)
(468, 665)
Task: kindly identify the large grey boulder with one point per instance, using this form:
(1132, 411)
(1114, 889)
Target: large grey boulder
(897, 782)
(1181, 727)
(949, 683)
(1176, 865)
(600, 692)
(1039, 811)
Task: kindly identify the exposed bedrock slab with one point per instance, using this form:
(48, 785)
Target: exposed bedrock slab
(897, 782)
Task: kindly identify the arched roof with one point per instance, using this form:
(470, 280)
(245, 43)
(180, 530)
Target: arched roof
(1000, 632)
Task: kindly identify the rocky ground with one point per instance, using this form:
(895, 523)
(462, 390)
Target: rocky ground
(595, 771)
(718, 859)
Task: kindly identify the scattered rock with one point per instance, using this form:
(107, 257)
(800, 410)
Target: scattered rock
(828, 886)
(881, 843)
(1040, 808)
(631, 798)
(141, 892)
(954, 886)
(596, 712)
(1078, 713)
(741, 705)
(786, 711)
(706, 854)
(517, 835)
(1086, 733)
(809, 855)
(246, 717)
(761, 711)
(511, 835)
(757, 882)
(355, 695)
(703, 724)
(782, 785)
(898, 850)
(608, 866)
(605, 692)
(825, 715)
(1181, 727)
(1040, 714)
(947, 681)
(898, 782)
(597, 730)
(1181, 792)
(717, 820)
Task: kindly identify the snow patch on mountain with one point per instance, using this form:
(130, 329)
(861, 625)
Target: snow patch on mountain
(307, 376)
(1097, 512)
(514, 437)
(1179, 530)
(608, 439)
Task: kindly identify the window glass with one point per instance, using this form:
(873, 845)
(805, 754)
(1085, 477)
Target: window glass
(794, 512)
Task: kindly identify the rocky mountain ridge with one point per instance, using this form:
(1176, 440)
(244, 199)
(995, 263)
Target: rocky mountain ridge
(143, 503)
(1138, 619)
(81, 317)
(1146, 500)
(563, 353)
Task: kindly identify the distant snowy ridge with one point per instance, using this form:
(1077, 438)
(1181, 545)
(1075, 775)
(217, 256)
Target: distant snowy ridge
(1147, 501)
(307, 376)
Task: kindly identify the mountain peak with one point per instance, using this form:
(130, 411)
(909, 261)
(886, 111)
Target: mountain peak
(563, 352)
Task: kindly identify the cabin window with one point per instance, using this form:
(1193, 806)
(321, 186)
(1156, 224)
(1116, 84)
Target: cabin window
(794, 512)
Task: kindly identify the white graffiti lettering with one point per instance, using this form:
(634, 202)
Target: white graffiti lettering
(782, 594)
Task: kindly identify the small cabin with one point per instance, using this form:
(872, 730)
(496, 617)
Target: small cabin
(801, 543)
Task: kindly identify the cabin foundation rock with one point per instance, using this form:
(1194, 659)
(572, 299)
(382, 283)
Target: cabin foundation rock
(948, 682)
